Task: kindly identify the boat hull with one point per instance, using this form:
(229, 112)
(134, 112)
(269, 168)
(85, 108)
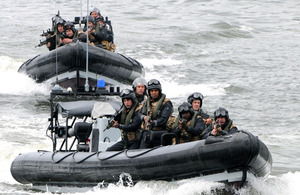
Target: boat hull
(67, 66)
(240, 152)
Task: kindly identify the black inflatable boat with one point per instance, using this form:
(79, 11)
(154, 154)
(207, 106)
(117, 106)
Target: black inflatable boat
(66, 66)
(230, 159)
(234, 158)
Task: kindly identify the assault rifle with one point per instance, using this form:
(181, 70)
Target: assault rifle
(217, 124)
(47, 33)
(116, 116)
(148, 117)
(48, 39)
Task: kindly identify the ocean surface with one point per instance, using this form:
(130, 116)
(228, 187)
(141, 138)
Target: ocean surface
(241, 55)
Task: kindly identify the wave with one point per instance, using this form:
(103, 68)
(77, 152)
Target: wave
(14, 83)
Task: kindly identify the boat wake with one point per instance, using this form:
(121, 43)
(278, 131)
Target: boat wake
(274, 185)
(14, 83)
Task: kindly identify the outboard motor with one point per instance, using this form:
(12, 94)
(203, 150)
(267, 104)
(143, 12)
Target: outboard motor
(82, 131)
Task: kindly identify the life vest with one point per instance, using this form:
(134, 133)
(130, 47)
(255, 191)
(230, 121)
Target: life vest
(126, 118)
(155, 109)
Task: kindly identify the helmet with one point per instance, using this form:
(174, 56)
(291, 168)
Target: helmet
(128, 94)
(195, 96)
(90, 19)
(185, 107)
(154, 84)
(221, 112)
(69, 25)
(60, 21)
(99, 18)
(139, 81)
(94, 9)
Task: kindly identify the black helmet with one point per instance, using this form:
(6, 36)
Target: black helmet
(90, 19)
(185, 107)
(221, 112)
(195, 96)
(139, 81)
(69, 25)
(154, 84)
(99, 18)
(60, 21)
(94, 9)
(128, 94)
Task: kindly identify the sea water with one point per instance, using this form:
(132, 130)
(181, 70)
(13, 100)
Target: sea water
(241, 55)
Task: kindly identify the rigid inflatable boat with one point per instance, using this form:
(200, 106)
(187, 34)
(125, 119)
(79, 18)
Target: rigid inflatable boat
(234, 158)
(66, 66)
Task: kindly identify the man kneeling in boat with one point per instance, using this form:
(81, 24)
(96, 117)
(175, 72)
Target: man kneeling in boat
(223, 125)
(128, 122)
(188, 125)
(156, 112)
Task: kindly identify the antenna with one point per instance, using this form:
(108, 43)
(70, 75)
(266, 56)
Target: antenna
(86, 86)
(80, 15)
(56, 39)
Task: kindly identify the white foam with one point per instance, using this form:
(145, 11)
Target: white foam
(14, 83)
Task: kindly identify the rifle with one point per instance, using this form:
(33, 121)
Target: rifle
(48, 39)
(116, 116)
(148, 117)
(47, 33)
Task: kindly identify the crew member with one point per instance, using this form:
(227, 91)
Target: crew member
(188, 125)
(196, 100)
(70, 34)
(155, 113)
(128, 122)
(223, 124)
(139, 87)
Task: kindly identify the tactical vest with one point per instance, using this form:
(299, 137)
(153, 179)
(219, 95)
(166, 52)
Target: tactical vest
(185, 136)
(126, 118)
(229, 126)
(110, 46)
(155, 109)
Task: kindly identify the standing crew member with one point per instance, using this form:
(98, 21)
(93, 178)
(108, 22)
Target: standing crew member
(139, 87)
(155, 113)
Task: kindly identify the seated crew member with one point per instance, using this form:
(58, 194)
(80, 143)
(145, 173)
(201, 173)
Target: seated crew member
(223, 124)
(139, 87)
(188, 125)
(128, 122)
(94, 12)
(104, 34)
(70, 34)
(196, 100)
(55, 39)
(90, 30)
(156, 111)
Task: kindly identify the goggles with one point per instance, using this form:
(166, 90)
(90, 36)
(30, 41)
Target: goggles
(220, 113)
(197, 95)
(153, 82)
(125, 92)
(183, 108)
